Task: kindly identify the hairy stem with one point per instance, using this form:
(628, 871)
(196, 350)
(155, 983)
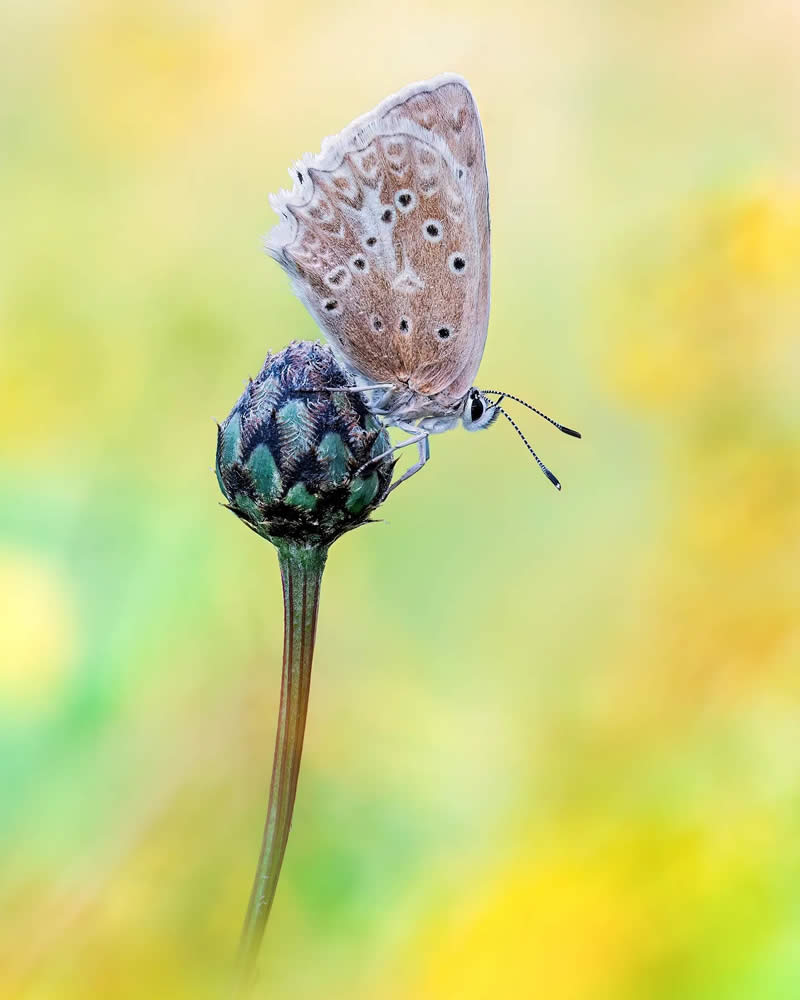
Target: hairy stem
(301, 574)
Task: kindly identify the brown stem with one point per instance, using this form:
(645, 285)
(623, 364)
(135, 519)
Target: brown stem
(301, 574)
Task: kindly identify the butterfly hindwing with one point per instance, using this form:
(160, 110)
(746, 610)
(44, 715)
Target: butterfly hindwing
(386, 237)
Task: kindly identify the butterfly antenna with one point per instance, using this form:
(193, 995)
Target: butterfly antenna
(555, 423)
(539, 462)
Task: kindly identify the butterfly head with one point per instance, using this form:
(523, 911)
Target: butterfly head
(478, 411)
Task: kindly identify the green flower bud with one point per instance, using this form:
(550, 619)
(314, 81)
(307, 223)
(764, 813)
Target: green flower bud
(289, 453)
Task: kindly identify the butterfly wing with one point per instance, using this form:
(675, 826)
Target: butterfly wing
(385, 235)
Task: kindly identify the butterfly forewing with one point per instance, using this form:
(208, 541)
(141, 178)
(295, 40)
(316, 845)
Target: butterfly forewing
(386, 237)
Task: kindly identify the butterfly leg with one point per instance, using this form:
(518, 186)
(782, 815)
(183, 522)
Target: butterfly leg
(375, 407)
(419, 437)
(352, 388)
(422, 441)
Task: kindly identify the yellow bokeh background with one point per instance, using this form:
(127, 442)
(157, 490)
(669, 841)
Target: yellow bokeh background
(553, 746)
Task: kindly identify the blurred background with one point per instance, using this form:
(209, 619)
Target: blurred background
(553, 746)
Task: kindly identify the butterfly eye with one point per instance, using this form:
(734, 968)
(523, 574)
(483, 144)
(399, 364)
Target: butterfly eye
(432, 230)
(387, 215)
(331, 305)
(358, 264)
(478, 412)
(405, 200)
(405, 324)
(457, 262)
(377, 323)
(444, 332)
(371, 241)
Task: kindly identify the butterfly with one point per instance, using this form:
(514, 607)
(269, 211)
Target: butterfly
(385, 236)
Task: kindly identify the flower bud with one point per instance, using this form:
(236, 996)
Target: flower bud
(288, 454)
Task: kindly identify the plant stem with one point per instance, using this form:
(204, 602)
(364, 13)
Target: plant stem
(301, 575)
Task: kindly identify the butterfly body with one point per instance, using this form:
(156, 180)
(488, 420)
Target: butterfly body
(385, 236)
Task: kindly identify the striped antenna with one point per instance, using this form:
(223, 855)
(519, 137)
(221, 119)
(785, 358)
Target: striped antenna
(539, 462)
(555, 423)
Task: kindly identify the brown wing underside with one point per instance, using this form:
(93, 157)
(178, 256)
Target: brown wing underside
(390, 246)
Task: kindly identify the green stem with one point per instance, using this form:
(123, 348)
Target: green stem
(301, 574)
